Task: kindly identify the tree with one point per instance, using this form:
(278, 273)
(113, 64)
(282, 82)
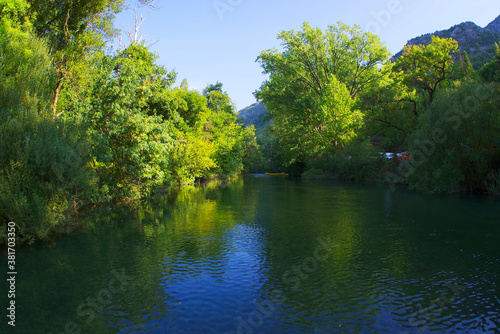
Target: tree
(219, 94)
(131, 146)
(74, 30)
(466, 68)
(391, 109)
(452, 148)
(26, 73)
(314, 83)
(427, 68)
(490, 72)
(44, 176)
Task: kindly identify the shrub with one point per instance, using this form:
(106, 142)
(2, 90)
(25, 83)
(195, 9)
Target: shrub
(43, 175)
(452, 148)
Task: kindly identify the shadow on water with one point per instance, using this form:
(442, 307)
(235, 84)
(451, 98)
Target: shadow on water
(268, 255)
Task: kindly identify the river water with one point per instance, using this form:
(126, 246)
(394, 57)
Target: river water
(269, 255)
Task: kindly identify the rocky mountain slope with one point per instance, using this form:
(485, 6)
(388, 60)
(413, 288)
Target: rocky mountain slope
(254, 115)
(476, 41)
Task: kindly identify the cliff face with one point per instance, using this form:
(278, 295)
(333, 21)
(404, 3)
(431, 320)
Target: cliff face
(476, 41)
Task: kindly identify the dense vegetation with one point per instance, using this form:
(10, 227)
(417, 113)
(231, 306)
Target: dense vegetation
(336, 101)
(81, 126)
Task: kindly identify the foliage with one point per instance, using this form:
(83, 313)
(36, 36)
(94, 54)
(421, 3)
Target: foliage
(227, 135)
(314, 84)
(429, 67)
(130, 147)
(75, 31)
(391, 110)
(43, 174)
(491, 70)
(453, 147)
(25, 73)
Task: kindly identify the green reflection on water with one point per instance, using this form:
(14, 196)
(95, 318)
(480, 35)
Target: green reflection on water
(325, 256)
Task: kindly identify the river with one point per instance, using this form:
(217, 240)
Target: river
(269, 255)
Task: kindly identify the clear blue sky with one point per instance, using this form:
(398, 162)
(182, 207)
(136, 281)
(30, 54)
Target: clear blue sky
(207, 41)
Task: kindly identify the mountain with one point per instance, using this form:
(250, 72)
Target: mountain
(479, 43)
(255, 115)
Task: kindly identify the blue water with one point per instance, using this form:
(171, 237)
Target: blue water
(270, 255)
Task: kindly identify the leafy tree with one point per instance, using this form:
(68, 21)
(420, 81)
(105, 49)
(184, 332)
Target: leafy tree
(131, 147)
(227, 136)
(491, 71)
(453, 147)
(391, 109)
(26, 73)
(14, 18)
(74, 31)
(44, 177)
(465, 66)
(427, 68)
(313, 84)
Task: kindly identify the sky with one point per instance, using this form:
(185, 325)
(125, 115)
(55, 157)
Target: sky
(206, 41)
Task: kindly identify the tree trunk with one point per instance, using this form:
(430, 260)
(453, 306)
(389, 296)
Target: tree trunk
(56, 97)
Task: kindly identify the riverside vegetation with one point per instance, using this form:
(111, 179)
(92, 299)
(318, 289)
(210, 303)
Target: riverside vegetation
(336, 100)
(81, 125)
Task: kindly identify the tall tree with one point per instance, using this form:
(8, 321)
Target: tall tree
(490, 71)
(74, 29)
(429, 67)
(310, 80)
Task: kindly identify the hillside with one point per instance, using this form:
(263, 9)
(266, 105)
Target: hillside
(254, 115)
(476, 41)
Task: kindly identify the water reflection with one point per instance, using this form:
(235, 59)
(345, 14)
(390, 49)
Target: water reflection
(270, 255)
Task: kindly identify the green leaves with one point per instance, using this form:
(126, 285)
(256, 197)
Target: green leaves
(314, 85)
(428, 67)
(131, 144)
(453, 147)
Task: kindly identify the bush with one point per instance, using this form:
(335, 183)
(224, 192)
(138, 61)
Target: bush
(452, 148)
(26, 74)
(43, 175)
(358, 162)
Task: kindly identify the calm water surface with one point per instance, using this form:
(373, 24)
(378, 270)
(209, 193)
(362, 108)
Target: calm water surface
(270, 255)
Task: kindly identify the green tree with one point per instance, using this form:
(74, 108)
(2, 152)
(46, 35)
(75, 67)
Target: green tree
(453, 147)
(490, 72)
(427, 68)
(466, 68)
(74, 31)
(391, 110)
(227, 135)
(26, 74)
(313, 86)
(131, 147)
(44, 177)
